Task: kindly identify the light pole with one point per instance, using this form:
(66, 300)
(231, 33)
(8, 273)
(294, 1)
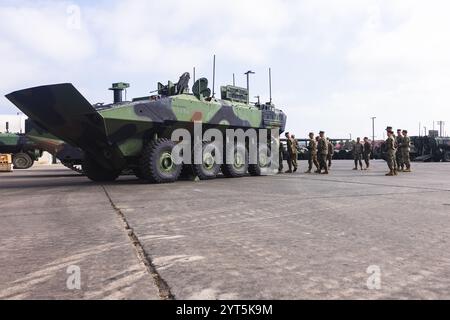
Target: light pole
(441, 127)
(373, 133)
(373, 128)
(248, 73)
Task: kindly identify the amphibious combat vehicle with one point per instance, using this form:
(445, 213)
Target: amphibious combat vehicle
(136, 135)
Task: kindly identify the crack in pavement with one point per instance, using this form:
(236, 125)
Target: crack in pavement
(143, 257)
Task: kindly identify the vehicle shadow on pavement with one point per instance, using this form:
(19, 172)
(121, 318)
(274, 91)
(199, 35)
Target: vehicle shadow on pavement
(33, 176)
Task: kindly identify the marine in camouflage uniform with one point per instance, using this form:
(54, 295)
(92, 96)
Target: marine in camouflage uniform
(292, 148)
(291, 153)
(312, 157)
(390, 149)
(405, 148)
(330, 153)
(399, 156)
(323, 152)
(395, 144)
(280, 154)
(358, 149)
(366, 153)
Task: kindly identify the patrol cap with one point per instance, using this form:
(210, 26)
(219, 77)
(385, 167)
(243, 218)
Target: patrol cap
(321, 132)
(398, 130)
(311, 133)
(388, 128)
(405, 131)
(287, 132)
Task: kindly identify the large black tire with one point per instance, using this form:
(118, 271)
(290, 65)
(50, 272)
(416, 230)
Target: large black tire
(263, 162)
(209, 168)
(239, 166)
(22, 161)
(156, 163)
(446, 156)
(96, 172)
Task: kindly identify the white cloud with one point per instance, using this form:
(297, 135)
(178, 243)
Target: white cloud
(37, 45)
(335, 63)
(145, 36)
(43, 31)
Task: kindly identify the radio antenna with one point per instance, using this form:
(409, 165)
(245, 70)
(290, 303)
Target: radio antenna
(214, 76)
(234, 84)
(194, 75)
(248, 73)
(270, 84)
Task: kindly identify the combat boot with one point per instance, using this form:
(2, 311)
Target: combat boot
(317, 171)
(407, 170)
(295, 169)
(325, 172)
(288, 171)
(308, 171)
(395, 172)
(390, 173)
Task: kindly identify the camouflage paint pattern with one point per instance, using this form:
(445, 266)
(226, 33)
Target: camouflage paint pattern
(114, 133)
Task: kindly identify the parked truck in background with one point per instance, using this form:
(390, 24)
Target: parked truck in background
(24, 151)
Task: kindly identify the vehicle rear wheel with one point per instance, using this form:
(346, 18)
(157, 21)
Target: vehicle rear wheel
(239, 162)
(209, 167)
(263, 164)
(96, 172)
(22, 161)
(157, 164)
(446, 157)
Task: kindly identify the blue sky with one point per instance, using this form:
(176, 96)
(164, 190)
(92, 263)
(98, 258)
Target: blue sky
(335, 64)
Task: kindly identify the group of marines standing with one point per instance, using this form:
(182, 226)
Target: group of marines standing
(362, 151)
(397, 150)
(321, 152)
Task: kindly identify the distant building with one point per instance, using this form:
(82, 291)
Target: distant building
(13, 123)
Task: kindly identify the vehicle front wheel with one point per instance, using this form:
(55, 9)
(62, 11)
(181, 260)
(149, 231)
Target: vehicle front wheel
(157, 164)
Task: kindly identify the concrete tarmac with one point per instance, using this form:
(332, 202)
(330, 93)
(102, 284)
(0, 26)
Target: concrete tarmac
(346, 235)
